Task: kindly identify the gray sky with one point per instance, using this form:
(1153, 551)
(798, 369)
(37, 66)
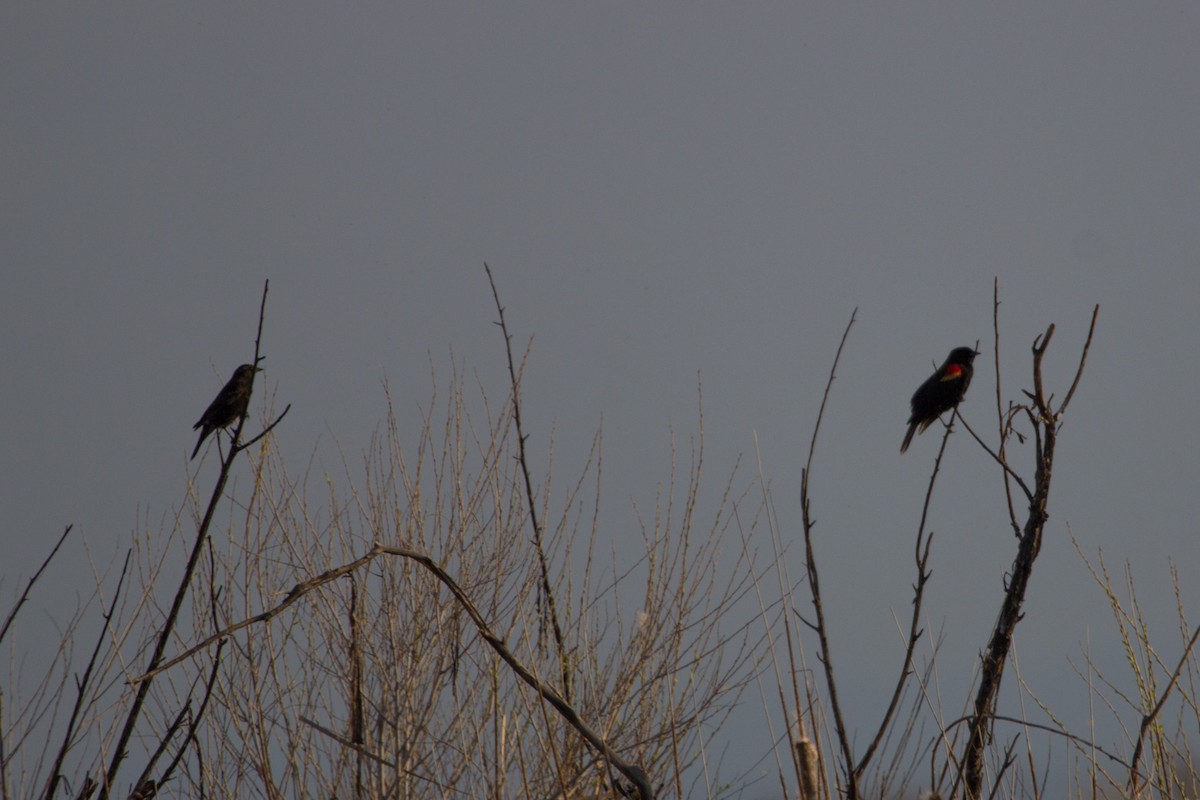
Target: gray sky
(663, 191)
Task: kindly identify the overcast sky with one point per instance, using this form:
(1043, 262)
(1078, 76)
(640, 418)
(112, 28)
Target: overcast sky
(667, 193)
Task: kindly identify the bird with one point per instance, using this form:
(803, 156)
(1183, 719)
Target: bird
(147, 791)
(229, 404)
(942, 391)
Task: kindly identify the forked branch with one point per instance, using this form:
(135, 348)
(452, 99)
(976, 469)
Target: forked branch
(1046, 421)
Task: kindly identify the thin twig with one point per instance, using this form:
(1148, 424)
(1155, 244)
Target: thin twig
(1005, 763)
(814, 583)
(355, 655)
(1087, 345)
(1003, 425)
(366, 753)
(214, 594)
(921, 556)
(240, 447)
(812, 446)
(295, 593)
(1149, 718)
(28, 586)
(522, 457)
(999, 459)
(82, 684)
(1071, 737)
(165, 740)
(1040, 343)
(194, 722)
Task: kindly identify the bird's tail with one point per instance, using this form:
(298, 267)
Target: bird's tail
(204, 434)
(912, 430)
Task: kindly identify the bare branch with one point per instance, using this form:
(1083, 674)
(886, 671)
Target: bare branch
(28, 586)
(268, 429)
(1149, 718)
(635, 774)
(1087, 345)
(295, 593)
(1040, 343)
(168, 626)
(82, 684)
(1002, 423)
(998, 458)
(546, 589)
(812, 447)
(1045, 429)
(922, 549)
(814, 582)
(357, 747)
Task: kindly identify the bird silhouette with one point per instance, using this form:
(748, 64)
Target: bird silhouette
(941, 391)
(229, 404)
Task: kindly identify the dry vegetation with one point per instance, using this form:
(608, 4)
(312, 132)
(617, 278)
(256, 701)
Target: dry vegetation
(455, 623)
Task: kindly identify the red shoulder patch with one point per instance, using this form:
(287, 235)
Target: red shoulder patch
(953, 372)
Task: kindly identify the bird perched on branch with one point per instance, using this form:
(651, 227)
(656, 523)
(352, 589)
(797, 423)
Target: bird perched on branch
(229, 404)
(147, 791)
(942, 391)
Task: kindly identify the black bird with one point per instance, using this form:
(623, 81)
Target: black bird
(942, 391)
(147, 791)
(229, 404)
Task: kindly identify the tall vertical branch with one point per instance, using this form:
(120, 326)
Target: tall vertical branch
(814, 583)
(1003, 421)
(168, 627)
(547, 592)
(1046, 420)
(357, 720)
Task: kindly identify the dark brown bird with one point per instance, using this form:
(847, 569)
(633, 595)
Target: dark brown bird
(942, 391)
(229, 404)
